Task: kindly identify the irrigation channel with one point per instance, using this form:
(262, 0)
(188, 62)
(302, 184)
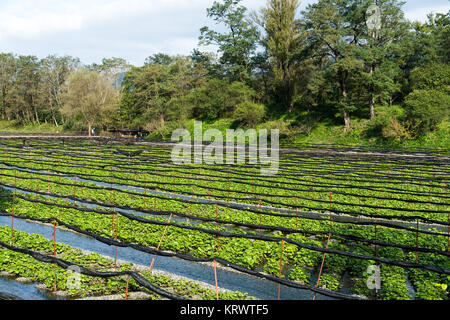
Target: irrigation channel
(309, 232)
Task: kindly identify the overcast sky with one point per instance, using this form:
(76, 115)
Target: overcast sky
(130, 29)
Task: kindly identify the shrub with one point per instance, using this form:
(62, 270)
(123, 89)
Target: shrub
(427, 108)
(431, 76)
(249, 114)
(284, 127)
(387, 123)
(400, 130)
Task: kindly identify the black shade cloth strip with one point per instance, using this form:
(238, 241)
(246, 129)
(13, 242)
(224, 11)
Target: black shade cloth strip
(93, 273)
(404, 264)
(240, 207)
(242, 178)
(284, 171)
(66, 174)
(113, 242)
(199, 195)
(243, 225)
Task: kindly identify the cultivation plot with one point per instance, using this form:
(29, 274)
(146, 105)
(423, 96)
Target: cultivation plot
(317, 226)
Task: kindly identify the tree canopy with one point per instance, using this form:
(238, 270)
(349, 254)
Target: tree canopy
(336, 59)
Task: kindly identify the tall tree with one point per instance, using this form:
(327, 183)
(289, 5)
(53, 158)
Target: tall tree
(26, 90)
(238, 43)
(334, 34)
(111, 66)
(7, 75)
(54, 72)
(159, 58)
(282, 41)
(90, 95)
(385, 27)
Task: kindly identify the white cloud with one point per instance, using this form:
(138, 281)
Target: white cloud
(29, 19)
(420, 14)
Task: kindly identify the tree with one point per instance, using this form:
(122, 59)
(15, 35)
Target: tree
(160, 58)
(111, 66)
(54, 72)
(429, 107)
(385, 27)
(208, 61)
(90, 95)
(425, 43)
(218, 98)
(432, 75)
(334, 35)
(238, 44)
(159, 92)
(282, 41)
(25, 90)
(429, 101)
(7, 74)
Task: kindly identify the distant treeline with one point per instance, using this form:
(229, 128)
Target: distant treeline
(337, 59)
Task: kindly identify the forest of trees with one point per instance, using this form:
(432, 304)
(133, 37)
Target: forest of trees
(335, 60)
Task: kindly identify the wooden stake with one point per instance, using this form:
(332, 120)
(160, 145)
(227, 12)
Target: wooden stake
(160, 241)
(281, 266)
(417, 241)
(117, 233)
(54, 252)
(126, 290)
(12, 219)
(215, 277)
(217, 218)
(13, 211)
(321, 266)
(448, 228)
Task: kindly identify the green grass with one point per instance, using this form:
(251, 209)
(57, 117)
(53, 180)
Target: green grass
(14, 127)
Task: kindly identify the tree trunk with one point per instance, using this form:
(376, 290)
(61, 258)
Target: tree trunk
(90, 129)
(291, 107)
(54, 120)
(347, 120)
(371, 98)
(372, 106)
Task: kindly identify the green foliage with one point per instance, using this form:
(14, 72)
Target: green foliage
(218, 98)
(249, 114)
(284, 127)
(329, 281)
(283, 42)
(428, 107)
(431, 291)
(157, 93)
(89, 95)
(393, 286)
(237, 44)
(431, 76)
